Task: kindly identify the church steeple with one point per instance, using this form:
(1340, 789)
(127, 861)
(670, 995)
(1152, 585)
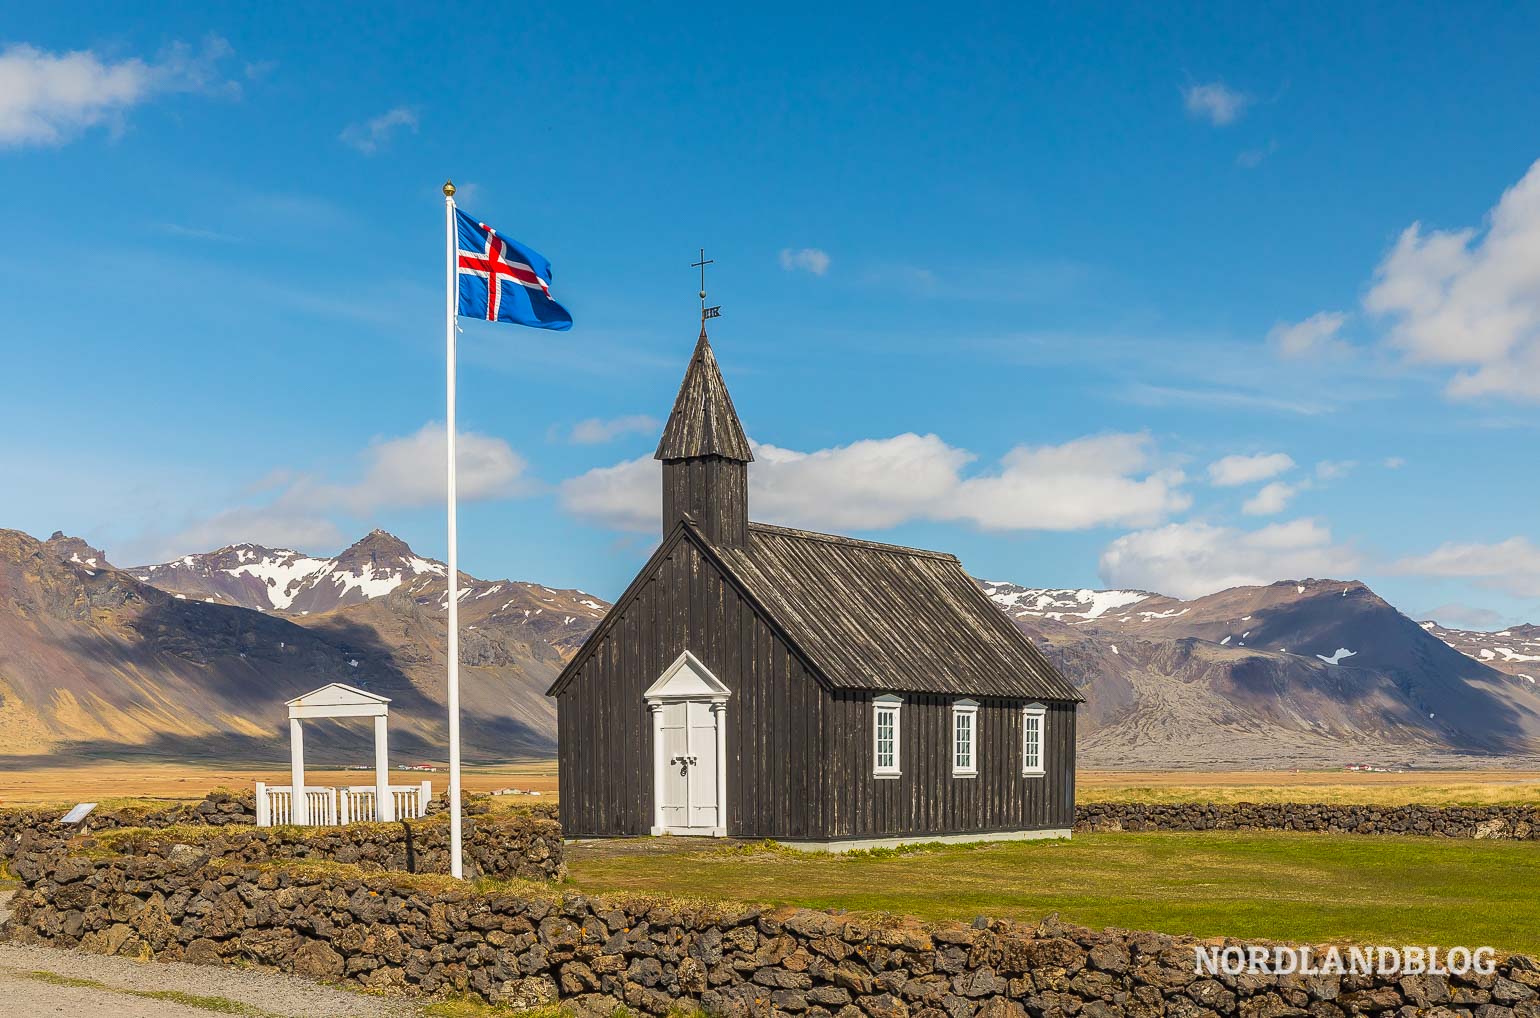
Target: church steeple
(703, 421)
(705, 454)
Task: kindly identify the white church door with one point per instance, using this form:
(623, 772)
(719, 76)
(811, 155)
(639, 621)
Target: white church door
(690, 768)
(689, 707)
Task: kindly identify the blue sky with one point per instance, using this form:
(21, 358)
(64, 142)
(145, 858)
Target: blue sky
(1089, 297)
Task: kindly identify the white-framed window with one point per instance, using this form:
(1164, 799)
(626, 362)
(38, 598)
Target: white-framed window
(886, 732)
(965, 738)
(1034, 722)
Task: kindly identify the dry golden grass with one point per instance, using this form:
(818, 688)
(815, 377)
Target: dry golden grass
(170, 781)
(1442, 788)
(118, 782)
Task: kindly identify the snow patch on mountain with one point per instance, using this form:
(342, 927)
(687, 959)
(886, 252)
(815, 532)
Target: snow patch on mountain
(1507, 651)
(1059, 604)
(288, 581)
(284, 573)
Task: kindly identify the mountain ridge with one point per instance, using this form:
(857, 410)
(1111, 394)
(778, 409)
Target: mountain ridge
(96, 661)
(1297, 673)
(282, 579)
(198, 654)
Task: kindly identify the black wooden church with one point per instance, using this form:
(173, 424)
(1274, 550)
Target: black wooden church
(760, 682)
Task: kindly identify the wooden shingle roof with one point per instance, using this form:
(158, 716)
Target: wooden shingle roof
(863, 615)
(703, 421)
(884, 617)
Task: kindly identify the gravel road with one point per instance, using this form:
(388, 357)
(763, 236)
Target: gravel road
(113, 982)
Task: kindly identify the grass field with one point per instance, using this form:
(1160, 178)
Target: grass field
(1442, 788)
(1299, 887)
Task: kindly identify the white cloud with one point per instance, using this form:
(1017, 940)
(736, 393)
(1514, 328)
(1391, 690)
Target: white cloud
(1215, 102)
(370, 135)
(808, 259)
(595, 431)
(1274, 497)
(626, 496)
(409, 471)
(871, 484)
(1270, 499)
(1192, 559)
(1102, 480)
(1512, 566)
(1463, 616)
(1394, 462)
(1172, 395)
(48, 98)
(468, 193)
(878, 483)
(1234, 470)
(1472, 299)
(1315, 336)
(1251, 158)
(300, 510)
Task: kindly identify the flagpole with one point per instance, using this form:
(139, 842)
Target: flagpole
(451, 308)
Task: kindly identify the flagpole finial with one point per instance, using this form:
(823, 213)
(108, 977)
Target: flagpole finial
(449, 189)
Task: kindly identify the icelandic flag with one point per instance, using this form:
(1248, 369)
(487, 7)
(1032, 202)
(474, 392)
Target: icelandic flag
(501, 280)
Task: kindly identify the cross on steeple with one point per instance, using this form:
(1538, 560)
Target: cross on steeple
(705, 312)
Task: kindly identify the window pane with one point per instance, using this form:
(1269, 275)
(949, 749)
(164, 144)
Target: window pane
(963, 742)
(885, 754)
(1032, 742)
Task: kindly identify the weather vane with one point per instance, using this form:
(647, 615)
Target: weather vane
(705, 312)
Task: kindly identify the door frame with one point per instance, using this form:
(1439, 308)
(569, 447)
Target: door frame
(688, 680)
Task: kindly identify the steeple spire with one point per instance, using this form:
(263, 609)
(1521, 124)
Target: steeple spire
(703, 421)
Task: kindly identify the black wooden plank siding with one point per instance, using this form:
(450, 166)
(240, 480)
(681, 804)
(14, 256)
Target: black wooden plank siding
(927, 798)
(773, 717)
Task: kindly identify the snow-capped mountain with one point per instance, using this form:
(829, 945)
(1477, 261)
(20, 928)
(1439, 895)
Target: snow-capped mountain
(277, 579)
(1299, 672)
(1515, 650)
(1063, 605)
(199, 659)
(171, 659)
(379, 570)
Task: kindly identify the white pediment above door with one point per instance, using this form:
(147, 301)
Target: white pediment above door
(687, 679)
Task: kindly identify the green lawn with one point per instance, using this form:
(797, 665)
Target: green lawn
(1299, 887)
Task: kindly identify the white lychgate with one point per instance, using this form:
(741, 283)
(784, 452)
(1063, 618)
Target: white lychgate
(304, 805)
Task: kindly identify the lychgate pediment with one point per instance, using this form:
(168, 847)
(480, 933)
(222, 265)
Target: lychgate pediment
(338, 700)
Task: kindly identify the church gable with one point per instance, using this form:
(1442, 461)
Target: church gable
(684, 599)
(686, 609)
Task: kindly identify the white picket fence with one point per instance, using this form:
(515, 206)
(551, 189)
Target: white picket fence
(329, 807)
